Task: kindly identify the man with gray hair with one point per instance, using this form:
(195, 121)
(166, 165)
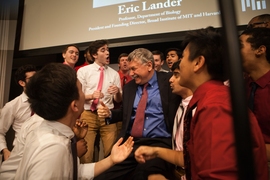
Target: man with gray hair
(147, 112)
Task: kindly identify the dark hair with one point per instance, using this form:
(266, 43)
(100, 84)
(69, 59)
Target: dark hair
(51, 90)
(86, 50)
(122, 55)
(20, 74)
(66, 48)
(263, 17)
(258, 37)
(208, 43)
(157, 52)
(175, 65)
(178, 52)
(95, 45)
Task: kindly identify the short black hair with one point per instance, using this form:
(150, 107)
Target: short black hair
(122, 55)
(86, 50)
(175, 66)
(157, 52)
(258, 37)
(95, 45)
(263, 17)
(177, 50)
(20, 74)
(66, 48)
(51, 90)
(207, 43)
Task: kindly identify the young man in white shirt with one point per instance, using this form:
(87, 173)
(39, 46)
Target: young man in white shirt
(89, 76)
(56, 95)
(17, 111)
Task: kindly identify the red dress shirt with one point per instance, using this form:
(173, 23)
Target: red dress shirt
(78, 67)
(212, 143)
(262, 104)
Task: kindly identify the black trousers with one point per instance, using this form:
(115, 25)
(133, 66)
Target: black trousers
(130, 169)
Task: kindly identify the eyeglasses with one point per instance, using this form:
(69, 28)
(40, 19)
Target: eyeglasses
(250, 26)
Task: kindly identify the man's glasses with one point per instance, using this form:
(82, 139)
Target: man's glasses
(250, 26)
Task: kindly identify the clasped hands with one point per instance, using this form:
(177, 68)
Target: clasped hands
(80, 130)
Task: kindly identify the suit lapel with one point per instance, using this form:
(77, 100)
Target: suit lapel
(130, 98)
(163, 89)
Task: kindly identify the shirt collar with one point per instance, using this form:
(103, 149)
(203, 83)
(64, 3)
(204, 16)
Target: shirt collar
(262, 81)
(98, 66)
(186, 101)
(202, 90)
(153, 79)
(24, 97)
(61, 128)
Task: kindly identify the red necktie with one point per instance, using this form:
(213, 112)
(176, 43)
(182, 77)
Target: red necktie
(99, 88)
(137, 128)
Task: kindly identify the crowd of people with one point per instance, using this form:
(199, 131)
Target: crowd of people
(154, 123)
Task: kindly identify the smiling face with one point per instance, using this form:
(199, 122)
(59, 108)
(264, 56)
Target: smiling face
(71, 56)
(158, 62)
(141, 73)
(102, 57)
(171, 58)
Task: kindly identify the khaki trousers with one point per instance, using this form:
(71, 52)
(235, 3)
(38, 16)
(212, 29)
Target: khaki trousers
(96, 125)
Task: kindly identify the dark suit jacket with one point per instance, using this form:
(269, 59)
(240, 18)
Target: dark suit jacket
(170, 103)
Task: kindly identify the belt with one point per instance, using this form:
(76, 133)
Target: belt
(95, 111)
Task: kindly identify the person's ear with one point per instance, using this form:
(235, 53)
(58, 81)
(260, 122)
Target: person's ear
(149, 66)
(162, 62)
(22, 83)
(95, 56)
(64, 55)
(198, 63)
(74, 106)
(261, 50)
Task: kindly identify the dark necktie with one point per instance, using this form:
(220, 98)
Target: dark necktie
(74, 157)
(187, 121)
(137, 128)
(252, 95)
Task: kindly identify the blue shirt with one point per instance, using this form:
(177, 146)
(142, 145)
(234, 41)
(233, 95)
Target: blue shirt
(154, 123)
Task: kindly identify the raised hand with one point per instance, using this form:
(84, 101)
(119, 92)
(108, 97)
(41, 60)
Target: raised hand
(120, 152)
(103, 111)
(113, 89)
(97, 95)
(80, 129)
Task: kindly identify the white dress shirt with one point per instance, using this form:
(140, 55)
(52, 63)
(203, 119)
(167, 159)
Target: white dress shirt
(178, 127)
(89, 78)
(47, 155)
(9, 166)
(14, 113)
